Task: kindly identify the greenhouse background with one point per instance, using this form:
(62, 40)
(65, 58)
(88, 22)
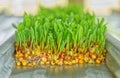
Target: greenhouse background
(12, 12)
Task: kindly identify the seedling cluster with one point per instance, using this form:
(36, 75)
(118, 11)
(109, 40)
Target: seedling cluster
(60, 36)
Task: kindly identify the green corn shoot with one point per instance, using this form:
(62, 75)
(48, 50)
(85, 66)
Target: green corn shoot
(61, 28)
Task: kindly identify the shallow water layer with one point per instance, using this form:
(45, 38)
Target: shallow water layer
(74, 71)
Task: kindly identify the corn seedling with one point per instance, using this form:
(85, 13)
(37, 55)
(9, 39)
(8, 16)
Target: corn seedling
(60, 36)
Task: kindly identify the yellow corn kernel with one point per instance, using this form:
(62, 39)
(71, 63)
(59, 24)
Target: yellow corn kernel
(18, 63)
(70, 63)
(81, 61)
(34, 63)
(86, 59)
(98, 61)
(37, 53)
(52, 63)
(21, 59)
(73, 61)
(66, 62)
(49, 51)
(28, 51)
(90, 61)
(55, 57)
(93, 56)
(30, 65)
(26, 55)
(16, 56)
(42, 62)
(80, 56)
(24, 62)
(44, 59)
(60, 63)
(75, 54)
(29, 57)
(20, 54)
(47, 62)
(76, 60)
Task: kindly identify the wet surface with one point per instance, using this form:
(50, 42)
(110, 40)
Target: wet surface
(75, 71)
